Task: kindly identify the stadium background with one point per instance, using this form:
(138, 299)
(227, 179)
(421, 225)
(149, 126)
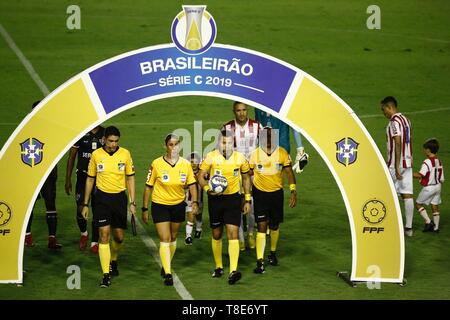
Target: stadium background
(407, 58)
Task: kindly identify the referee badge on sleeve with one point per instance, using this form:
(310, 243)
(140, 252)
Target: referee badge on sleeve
(121, 166)
(100, 167)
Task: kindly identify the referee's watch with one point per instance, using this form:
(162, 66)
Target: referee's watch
(133, 203)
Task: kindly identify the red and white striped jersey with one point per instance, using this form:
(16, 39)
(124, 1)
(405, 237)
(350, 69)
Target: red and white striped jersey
(400, 126)
(245, 137)
(432, 172)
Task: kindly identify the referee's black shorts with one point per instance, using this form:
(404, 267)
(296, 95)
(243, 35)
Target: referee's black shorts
(168, 213)
(268, 206)
(110, 209)
(224, 209)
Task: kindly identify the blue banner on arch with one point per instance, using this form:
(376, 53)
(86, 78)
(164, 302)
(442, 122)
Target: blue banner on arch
(167, 70)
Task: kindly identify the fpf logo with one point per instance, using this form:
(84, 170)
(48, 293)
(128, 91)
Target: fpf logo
(193, 30)
(373, 212)
(5, 217)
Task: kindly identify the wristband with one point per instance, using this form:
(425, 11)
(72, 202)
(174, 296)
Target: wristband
(194, 202)
(292, 187)
(133, 203)
(206, 188)
(144, 209)
(248, 197)
(85, 205)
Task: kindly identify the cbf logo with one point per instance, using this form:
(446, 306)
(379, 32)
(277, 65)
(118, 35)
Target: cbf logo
(32, 153)
(346, 151)
(193, 30)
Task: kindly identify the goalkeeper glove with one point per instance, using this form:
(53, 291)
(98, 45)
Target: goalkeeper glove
(301, 160)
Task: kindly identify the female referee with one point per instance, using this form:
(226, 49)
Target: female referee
(166, 181)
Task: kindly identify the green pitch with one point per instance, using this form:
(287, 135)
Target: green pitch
(407, 58)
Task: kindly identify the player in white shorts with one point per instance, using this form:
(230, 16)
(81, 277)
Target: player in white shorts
(399, 160)
(431, 176)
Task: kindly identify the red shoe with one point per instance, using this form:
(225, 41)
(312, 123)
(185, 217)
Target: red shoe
(53, 244)
(94, 248)
(83, 243)
(29, 240)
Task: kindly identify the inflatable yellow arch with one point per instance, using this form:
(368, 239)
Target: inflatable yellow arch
(224, 71)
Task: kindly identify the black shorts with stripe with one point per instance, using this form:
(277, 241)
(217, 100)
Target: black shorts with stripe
(224, 209)
(268, 206)
(168, 213)
(110, 209)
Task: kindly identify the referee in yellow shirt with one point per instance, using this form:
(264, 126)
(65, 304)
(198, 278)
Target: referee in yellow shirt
(168, 177)
(268, 163)
(109, 167)
(225, 208)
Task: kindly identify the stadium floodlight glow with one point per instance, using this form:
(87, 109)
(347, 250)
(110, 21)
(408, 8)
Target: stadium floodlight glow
(274, 86)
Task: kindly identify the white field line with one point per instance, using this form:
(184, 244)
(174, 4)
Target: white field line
(149, 243)
(27, 64)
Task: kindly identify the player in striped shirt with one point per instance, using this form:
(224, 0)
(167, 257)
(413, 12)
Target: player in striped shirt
(245, 138)
(399, 161)
(431, 176)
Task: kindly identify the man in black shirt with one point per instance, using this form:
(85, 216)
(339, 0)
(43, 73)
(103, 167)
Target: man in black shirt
(84, 148)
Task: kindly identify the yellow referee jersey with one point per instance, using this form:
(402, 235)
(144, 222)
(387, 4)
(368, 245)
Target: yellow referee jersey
(231, 168)
(267, 169)
(169, 181)
(110, 169)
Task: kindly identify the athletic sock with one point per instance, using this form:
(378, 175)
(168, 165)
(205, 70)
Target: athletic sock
(52, 221)
(82, 223)
(436, 217)
(173, 248)
(104, 253)
(260, 245)
(409, 212)
(274, 235)
(424, 214)
(164, 254)
(233, 252)
(216, 246)
(189, 228)
(115, 248)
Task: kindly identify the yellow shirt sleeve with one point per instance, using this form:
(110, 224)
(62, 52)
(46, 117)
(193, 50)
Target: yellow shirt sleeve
(286, 159)
(252, 161)
(129, 167)
(92, 167)
(245, 167)
(151, 175)
(191, 177)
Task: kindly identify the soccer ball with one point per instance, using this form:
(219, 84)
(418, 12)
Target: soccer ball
(218, 183)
